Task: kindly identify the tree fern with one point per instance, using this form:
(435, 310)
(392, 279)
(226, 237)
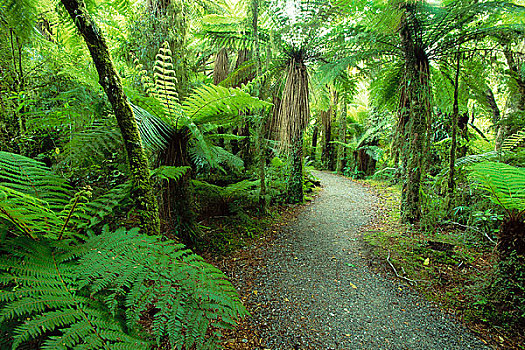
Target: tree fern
(214, 103)
(505, 183)
(513, 141)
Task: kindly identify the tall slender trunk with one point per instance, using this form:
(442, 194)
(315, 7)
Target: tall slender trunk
(342, 138)
(142, 190)
(328, 147)
(416, 108)
(516, 102)
(315, 135)
(262, 126)
(453, 146)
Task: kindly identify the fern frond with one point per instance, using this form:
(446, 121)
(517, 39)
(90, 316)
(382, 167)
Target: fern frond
(505, 183)
(177, 280)
(211, 103)
(170, 172)
(513, 141)
(28, 176)
(32, 216)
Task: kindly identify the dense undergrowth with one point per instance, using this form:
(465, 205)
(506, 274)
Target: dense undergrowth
(456, 266)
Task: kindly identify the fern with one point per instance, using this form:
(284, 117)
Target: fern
(41, 296)
(39, 203)
(170, 172)
(33, 178)
(513, 141)
(217, 103)
(73, 297)
(505, 183)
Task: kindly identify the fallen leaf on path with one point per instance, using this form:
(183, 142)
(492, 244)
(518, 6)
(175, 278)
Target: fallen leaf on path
(353, 285)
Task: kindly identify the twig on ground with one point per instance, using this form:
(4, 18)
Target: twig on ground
(474, 229)
(395, 271)
(398, 275)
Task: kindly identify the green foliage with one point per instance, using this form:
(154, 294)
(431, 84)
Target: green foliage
(505, 183)
(165, 172)
(36, 201)
(513, 141)
(96, 294)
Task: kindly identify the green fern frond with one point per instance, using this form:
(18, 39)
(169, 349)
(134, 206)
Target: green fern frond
(170, 172)
(30, 215)
(211, 103)
(176, 279)
(34, 178)
(75, 299)
(513, 141)
(505, 183)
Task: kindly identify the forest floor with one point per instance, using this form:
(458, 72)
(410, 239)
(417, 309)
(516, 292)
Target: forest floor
(311, 285)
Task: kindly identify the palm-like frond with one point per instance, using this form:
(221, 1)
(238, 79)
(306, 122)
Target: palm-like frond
(210, 103)
(513, 141)
(505, 183)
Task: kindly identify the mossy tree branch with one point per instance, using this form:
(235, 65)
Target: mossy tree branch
(142, 193)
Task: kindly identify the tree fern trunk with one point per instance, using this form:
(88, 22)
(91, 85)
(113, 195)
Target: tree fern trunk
(295, 180)
(328, 147)
(142, 192)
(453, 146)
(293, 117)
(342, 138)
(177, 212)
(416, 108)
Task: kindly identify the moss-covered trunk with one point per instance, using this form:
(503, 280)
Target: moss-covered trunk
(293, 117)
(142, 191)
(327, 154)
(295, 180)
(341, 156)
(415, 110)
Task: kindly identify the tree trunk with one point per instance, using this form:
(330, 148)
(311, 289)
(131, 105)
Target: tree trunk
(221, 69)
(342, 138)
(516, 102)
(262, 126)
(293, 118)
(328, 147)
(142, 191)
(416, 108)
(177, 212)
(295, 180)
(453, 146)
(315, 135)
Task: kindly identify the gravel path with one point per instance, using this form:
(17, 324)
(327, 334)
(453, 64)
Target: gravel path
(315, 289)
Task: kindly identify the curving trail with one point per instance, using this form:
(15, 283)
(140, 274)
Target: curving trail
(315, 289)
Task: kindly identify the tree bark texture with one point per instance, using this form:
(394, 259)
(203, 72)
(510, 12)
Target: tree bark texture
(221, 69)
(516, 102)
(341, 154)
(415, 110)
(177, 210)
(142, 191)
(327, 153)
(453, 146)
(293, 117)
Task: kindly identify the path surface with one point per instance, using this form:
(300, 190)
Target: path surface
(315, 289)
